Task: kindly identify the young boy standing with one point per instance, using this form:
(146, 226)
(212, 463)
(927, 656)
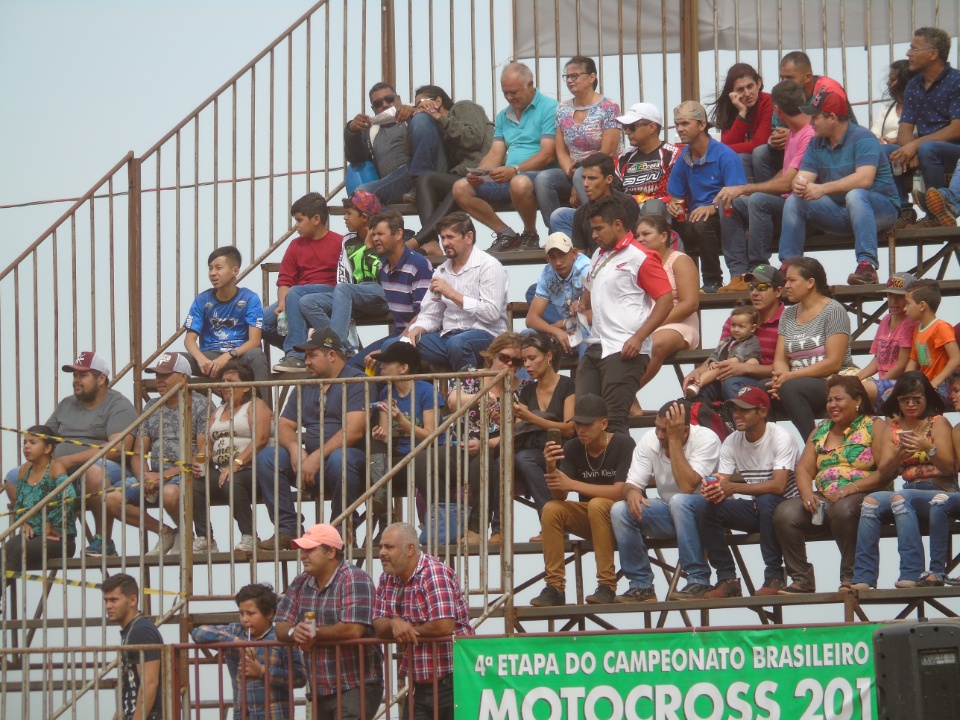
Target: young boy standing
(225, 323)
(309, 266)
(935, 351)
(257, 605)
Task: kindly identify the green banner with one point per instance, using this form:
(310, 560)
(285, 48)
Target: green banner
(818, 673)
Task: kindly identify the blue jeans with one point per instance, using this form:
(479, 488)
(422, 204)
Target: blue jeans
(748, 515)
(297, 334)
(907, 514)
(550, 315)
(561, 220)
(865, 214)
(426, 142)
(376, 346)
(552, 188)
(944, 507)
(767, 163)
(762, 213)
(952, 193)
(904, 181)
(936, 160)
(347, 301)
(531, 467)
(271, 460)
(678, 520)
(456, 349)
(728, 389)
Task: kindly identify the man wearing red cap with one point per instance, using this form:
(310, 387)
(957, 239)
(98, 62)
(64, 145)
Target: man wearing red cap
(341, 595)
(765, 455)
(94, 415)
(844, 186)
(420, 598)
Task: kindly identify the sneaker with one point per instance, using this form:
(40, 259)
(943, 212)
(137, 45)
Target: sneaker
(940, 209)
(638, 595)
(604, 595)
(495, 539)
(903, 584)
(862, 586)
(729, 588)
(865, 274)
(473, 537)
(927, 221)
(95, 549)
(930, 580)
(505, 240)
(529, 240)
(167, 540)
(693, 591)
(281, 541)
(290, 364)
(692, 391)
(771, 586)
(795, 589)
(410, 198)
(549, 597)
(908, 216)
(737, 284)
(246, 544)
(202, 547)
(919, 199)
(536, 539)
(710, 288)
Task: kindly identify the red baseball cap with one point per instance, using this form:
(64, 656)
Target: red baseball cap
(87, 361)
(322, 534)
(826, 101)
(750, 398)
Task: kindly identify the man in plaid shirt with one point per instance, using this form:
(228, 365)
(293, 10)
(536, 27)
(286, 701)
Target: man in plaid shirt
(341, 595)
(250, 667)
(419, 598)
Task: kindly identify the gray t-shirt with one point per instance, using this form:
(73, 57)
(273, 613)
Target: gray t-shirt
(73, 421)
(806, 343)
(390, 148)
(165, 436)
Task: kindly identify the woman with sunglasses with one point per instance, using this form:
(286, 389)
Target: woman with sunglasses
(545, 404)
(836, 470)
(503, 353)
(585, 125)
(917, 445)
(681, 329)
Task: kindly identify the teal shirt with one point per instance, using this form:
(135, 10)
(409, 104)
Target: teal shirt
(57, 512)
(522, 138)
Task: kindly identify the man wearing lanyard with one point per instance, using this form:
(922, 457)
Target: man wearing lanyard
(627, 296)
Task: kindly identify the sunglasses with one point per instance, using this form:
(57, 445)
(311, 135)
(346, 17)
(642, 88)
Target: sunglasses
(385, 100)
(759, 287)
(633, 126)
(509, 360)
(911, 400)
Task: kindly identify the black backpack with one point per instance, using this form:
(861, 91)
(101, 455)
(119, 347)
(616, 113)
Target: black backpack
(712, 415)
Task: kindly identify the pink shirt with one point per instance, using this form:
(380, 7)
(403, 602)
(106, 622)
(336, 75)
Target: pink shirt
(795, 147)
(886, 344)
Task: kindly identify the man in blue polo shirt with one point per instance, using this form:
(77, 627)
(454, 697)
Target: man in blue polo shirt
(404, 275)
(931, 108)
(556, 294)
(704, 168)
(844, 186)
(524, 142)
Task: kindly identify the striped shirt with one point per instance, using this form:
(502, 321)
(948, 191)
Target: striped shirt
(757, 461)
(405, 286)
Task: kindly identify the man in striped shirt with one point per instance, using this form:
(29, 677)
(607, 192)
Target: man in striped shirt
(765, 455)
(404, 275)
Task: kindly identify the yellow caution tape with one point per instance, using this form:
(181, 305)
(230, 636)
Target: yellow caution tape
(79, 583)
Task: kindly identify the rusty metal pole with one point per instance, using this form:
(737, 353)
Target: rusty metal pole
(689, 50)
(134, 270)
(388, 31)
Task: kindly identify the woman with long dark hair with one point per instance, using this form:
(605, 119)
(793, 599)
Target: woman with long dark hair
(744, 113)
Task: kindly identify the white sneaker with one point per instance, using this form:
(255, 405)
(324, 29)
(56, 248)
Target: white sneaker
(165, 543)
(246, 544)
(202, 547)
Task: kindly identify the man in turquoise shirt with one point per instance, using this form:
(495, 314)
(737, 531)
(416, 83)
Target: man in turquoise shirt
(523, 144)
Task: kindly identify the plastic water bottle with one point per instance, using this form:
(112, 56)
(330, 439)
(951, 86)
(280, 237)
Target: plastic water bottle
(283, 325)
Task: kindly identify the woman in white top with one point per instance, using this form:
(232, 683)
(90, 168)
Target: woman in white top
(681, 329)
(886, 124)
(237, 430)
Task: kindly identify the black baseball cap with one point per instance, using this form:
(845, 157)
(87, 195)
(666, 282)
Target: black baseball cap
(589, 408)
(323, 338)
(766, 274)
(400, 352)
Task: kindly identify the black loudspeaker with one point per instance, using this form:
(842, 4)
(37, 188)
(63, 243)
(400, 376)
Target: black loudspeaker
(918, 670)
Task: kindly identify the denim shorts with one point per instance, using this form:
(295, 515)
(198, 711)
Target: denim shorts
(133, 492)
(498, 193)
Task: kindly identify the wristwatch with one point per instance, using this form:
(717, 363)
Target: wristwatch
(238, 462)
(232, 352)
(516, 169)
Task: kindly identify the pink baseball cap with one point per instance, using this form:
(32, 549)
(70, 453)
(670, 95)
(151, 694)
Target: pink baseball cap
(322, 534)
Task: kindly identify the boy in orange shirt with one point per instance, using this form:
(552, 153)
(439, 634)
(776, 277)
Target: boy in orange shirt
(935, 351)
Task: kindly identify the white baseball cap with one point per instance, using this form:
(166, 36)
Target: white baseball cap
(558, 241)
(642, 111)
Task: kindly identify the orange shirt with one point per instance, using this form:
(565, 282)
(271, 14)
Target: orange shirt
(928, 345)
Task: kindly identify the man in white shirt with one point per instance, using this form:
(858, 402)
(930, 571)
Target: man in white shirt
(466, 306)
(766, 457)
(679, 457)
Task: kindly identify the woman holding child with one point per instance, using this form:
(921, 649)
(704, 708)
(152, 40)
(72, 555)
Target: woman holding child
(917, 445)
(837, 468)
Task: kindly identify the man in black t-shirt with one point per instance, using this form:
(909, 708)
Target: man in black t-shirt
(141, 698)
(593, 464)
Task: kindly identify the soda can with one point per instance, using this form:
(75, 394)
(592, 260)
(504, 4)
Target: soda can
(311, 619)
(682, 215)
(201, 460)
(818, 515)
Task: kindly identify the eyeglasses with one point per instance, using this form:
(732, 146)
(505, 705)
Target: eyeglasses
(573, 77)
(759, 287)
(911, 50)
(911, 399)
(385, 100)
(509, 359)
(633, 126)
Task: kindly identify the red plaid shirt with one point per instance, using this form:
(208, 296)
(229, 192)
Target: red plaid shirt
(348, 598)
(432, 593)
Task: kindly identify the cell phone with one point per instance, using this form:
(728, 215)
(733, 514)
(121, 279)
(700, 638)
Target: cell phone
(554, 436)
